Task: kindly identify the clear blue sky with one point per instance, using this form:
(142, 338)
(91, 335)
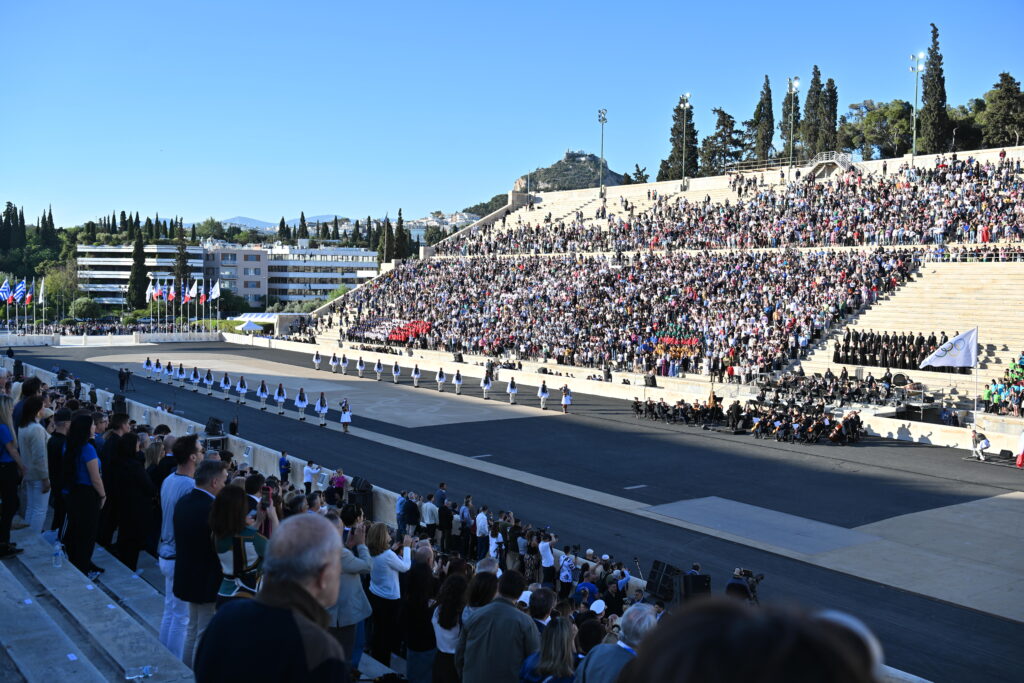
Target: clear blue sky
(264, 109)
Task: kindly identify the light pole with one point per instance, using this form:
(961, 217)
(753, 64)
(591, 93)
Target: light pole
(794, 87)
(684, 106)
(917, 68)
(602, 118)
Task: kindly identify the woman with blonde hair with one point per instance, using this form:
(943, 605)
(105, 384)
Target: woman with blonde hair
(385, 594)
(556, 660)
(11, 471)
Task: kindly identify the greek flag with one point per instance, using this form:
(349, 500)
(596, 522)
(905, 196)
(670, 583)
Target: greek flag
(5, 292)
(19, 292)
(959, 352)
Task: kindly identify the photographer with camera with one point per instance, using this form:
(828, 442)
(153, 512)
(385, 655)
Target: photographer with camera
(385, 594)
(547, 558)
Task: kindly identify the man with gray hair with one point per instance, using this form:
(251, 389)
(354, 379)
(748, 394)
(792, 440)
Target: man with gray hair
(603, 663)
(281, 634)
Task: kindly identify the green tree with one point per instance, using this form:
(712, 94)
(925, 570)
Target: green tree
(210, 228)
(640, 175)
(303, 232)
(811, 125)
(763, 127)
(721, 148)
(335, 230)
(181, 269)
(1004, 113)
(433, 235)
(386, 243)
(671, 168)
(136, 294)
(967, 121)
(85, 308)
(934, 131)
(828, 105)
(402, 245)
(147, 229)
(354, 238)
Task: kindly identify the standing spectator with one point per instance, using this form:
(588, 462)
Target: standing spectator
(188, 453)
(349, 614)
(482, 533)
(566, 571)
(11, 472)
(542, 601)
(411, 514)
(309, 472)
(447, 623)
(496, 640)
(483, 587)
(118, 425)
(84, 492)
(385, 595)
(445, 517)
(32, 438)
(466, 526)
(603, 663)
(547, 559)
(429, 517)
(281, 635)
(197, 573)
(137, 508)
(556, 660)
(441, 495)
(420, 587)
(239, 546)
(284, 466)
(54, 453)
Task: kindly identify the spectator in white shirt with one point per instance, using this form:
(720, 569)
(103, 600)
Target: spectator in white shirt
(547, 560)
(385, 594)
(482, 533)
(308, 472)
(428, 517)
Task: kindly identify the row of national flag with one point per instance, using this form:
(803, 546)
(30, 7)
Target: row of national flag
(169, 292)
(21, 292)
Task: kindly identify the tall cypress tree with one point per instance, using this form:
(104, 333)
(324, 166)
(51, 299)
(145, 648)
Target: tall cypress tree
(336, 230)
(721, 148)
(790, 110)
(933, 136)
(401, 238)
(181, 269)
(136, 294)
(764, 123)
(386, 242)
(811, 126)
(828, 106)
(147, 229)
(19, 236)
(303, 233)
(354, 238)
(371, 234)
(672, 167)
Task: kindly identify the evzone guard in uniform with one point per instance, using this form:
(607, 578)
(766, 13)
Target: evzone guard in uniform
(182, 375)
(344, 364)
(457, 381)
(208, 381)
(485, 384)
(197, 379)
(262, 392)
(316, 360)
(512, 390)
(321, 409)
(333, 362)
(300, 404)
(158, 371)
(346, 415)
(543, 394)
(280, 396)
(360, 367)
(566, 398)
(396, 371)
(440, 379)
(169, 373)
(416, 375)
(148, 367)
(242, 388)
(378, 368)
(225, 386)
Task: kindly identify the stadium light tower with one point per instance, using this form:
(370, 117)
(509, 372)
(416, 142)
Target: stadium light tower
(602, 118)
(917, 68)
(794, 87)
(684, 106)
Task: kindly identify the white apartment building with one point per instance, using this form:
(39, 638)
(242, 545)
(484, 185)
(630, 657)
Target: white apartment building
(103, 270)
(242, 270)
(301, 273)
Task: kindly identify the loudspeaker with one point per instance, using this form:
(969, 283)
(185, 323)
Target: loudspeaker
(360, 484)
(214, 427)
(119, 405)
(660, 581)
(364, 499)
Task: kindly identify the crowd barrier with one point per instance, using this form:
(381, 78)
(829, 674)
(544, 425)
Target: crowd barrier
(265, 460)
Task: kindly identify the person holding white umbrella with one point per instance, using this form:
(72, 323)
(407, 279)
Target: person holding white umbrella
(300, 404)
(321, 409)
(280, 396)
(262, 393)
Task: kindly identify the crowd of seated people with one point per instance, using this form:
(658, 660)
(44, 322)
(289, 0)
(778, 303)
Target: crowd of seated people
(903, 350)
(1003, 395)
(671, 312)
(955, 200)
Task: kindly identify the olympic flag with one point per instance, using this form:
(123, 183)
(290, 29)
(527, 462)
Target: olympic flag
(959, 352)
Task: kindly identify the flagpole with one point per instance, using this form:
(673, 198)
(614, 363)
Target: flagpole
(977, 363)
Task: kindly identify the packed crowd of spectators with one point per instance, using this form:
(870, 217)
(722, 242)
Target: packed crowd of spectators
(1003, 395)
(956, 200)
(669, 313)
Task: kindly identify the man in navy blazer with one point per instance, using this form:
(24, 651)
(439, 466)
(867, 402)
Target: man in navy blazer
(603, 663)
(197, 573)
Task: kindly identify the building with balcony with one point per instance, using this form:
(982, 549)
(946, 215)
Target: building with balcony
(242, 270)
(103, 269)
(302, 273)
